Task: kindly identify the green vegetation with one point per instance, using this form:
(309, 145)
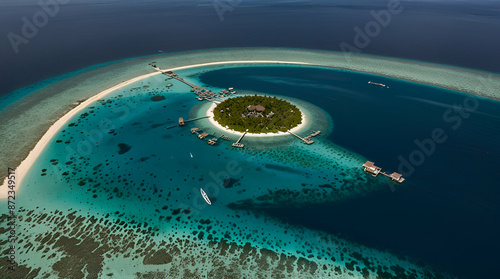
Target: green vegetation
(278, 114)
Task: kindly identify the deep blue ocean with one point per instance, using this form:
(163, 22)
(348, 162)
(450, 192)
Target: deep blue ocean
(447, 212)
(84, 33)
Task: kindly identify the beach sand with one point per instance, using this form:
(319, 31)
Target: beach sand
(463, 80)
(26, 164)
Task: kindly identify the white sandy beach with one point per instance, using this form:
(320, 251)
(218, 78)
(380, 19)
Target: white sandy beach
(26, 164)
(298, 128)
(468, 81)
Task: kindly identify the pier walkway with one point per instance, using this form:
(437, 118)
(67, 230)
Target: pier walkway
(306, 140)
(237, 143)
(186, 121)
(201, 92)
(174, 75)
(374, 170)
(194, 119)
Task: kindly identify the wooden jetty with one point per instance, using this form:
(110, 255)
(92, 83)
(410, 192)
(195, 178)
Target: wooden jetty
(174, 75)
(374, 170)
(306, 140)
(194, 119)
(201, 92)
(312, 135)
(183, 122)
(315, 134)
(237, 143)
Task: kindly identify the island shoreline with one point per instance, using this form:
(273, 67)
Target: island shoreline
(25, 165)
(298, 128)
(353, 66)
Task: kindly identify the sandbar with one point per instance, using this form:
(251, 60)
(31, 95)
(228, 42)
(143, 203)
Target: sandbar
(23, 168)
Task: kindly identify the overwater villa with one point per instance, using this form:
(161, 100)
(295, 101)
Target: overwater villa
(202, 135)
(212, 141)
(396, 177)
(374, 170)
(371, 168)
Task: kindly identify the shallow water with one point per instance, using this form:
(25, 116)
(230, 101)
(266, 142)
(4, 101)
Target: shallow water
(117, 162)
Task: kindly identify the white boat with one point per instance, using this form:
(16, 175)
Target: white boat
(204, 195)
(379, 84)
(191, 154)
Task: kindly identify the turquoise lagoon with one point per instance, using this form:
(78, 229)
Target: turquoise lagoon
(116, 193)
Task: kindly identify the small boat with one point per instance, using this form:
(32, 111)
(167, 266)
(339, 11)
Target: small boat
(378, 84)
(191, 154)
(204, 195)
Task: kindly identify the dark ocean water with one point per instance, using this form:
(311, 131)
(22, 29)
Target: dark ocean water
(83, 33)
(446, 213)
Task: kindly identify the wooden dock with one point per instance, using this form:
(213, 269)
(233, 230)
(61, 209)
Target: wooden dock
(194, 119)
(183, 122)
(174, 75)
(312, 135)
(201, 92)
(237, 143)
(374, 170)
(306, 140)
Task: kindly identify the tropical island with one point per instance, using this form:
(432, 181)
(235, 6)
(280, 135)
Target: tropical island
(257, 114)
